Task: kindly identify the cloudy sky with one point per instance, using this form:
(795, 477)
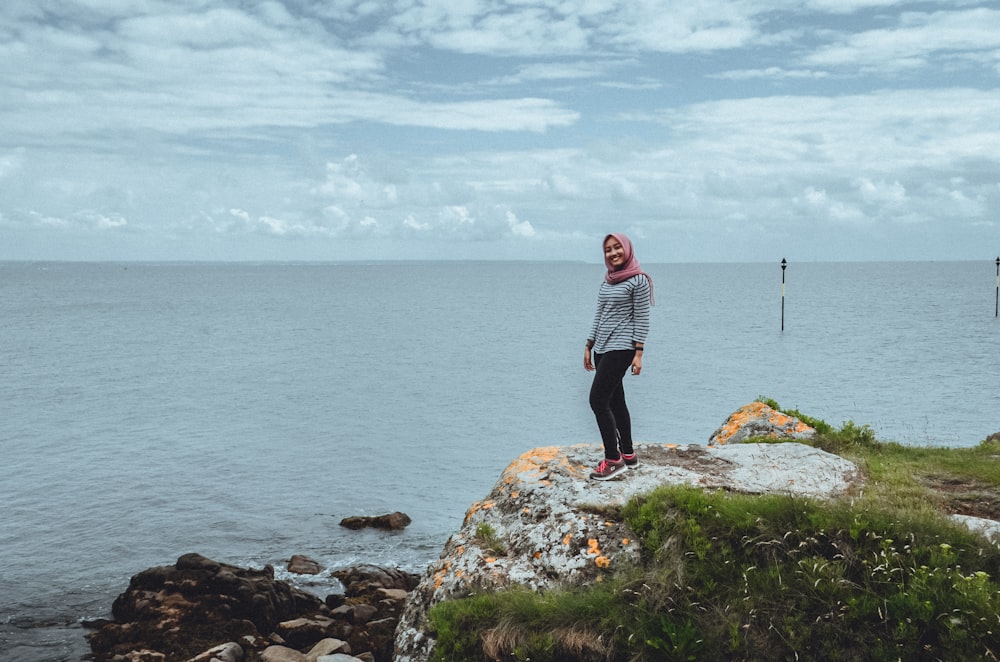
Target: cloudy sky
(709, 130)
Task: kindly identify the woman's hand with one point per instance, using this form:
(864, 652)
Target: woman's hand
(588, 364)
(637, 363)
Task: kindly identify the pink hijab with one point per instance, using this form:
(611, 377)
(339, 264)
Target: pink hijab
(627, 270)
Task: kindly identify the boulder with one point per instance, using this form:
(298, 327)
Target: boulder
(363, 579)
(229, 652)
(391, 522)
(282, 654)
(303, 565)
(327, 647)
(759, 420)
(546, 523)
(305, 631)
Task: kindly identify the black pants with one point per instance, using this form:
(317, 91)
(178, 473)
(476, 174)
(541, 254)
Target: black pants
(607, 399)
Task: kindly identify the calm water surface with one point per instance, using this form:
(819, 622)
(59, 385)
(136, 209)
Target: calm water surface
(240, 411)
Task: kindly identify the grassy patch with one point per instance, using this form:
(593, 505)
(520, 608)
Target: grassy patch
(951, 480)
(877, 575)
(489, 540)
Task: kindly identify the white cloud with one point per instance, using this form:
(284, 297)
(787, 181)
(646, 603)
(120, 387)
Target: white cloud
(851, 6)
(223, 68)
(411, 223)
(518, 227)
(698, 124)
(916, 38)
(881, 192)
(776, 73)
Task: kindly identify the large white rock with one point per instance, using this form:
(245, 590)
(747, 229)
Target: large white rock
(546, 522)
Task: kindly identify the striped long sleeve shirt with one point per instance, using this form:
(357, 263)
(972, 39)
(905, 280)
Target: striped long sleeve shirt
(622, 317)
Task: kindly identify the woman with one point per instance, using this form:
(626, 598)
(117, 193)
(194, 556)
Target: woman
(617, 339)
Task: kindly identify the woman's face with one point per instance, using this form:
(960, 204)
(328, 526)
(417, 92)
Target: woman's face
(614, 252)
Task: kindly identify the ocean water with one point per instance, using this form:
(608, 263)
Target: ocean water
(242, 410)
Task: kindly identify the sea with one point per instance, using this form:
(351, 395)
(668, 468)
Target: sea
(241, 410)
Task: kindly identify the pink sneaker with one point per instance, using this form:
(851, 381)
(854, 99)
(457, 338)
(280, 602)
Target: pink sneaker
(630, 459)
(609, 469)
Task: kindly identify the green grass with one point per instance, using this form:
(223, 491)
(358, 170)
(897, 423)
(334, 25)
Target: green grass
(876, 575)
(489, 540)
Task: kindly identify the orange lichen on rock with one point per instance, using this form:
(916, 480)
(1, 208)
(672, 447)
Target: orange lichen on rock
(759, 419)
(440, 575)
(602, 561)
(569, 536)
(534, 466)
(737, 420)
(593, 548)
(531, 463)
(477, 506)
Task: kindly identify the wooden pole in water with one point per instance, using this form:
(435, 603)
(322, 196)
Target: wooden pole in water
(996, 304)
(783, 265)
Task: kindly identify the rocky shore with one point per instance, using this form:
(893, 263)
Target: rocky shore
(202, 610)
(543, 524)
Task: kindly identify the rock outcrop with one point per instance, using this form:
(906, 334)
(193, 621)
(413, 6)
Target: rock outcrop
(759, 420)
(545, 522)
(203, 610)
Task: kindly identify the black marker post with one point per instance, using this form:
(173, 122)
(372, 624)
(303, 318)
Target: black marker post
(783, 265)
(996, 304)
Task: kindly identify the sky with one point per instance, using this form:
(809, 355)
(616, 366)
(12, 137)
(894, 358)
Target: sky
(706, 130)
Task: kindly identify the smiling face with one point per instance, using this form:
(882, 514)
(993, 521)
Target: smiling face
(614, 252)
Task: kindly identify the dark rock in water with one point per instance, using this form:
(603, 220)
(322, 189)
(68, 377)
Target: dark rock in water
(391, 522)
(303, 565)
(200, 609)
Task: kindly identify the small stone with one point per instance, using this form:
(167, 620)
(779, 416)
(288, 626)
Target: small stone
(362, 614)
(396, 594)
(230, 652)
(282, 654)
(327, 647)
(304, 632)
(343, 611)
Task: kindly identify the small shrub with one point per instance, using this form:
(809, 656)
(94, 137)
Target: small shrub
(489, 540)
